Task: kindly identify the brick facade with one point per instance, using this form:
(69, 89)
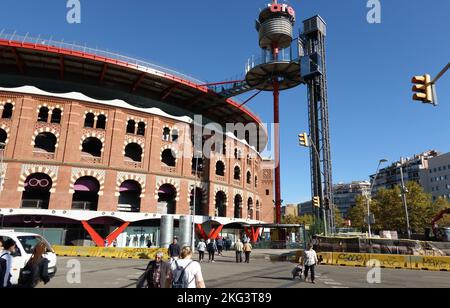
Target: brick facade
(68, 164)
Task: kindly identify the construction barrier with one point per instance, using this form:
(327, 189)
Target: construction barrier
(392, 261)
(106, 252)
(350, 259)
(430, 263)
(325, 258)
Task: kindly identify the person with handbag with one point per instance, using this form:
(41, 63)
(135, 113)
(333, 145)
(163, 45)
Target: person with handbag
(35, 273)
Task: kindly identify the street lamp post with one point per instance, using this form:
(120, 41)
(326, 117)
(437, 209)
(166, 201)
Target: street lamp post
(404, 191)
(369, 195)
(194, 201)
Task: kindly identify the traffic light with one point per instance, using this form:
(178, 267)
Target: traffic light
(304, 140)
(316, 201)
(423, 88)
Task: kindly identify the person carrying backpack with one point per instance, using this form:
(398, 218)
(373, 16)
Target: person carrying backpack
(212, 248)
(187, 273)
(35, 273)
(6, 260)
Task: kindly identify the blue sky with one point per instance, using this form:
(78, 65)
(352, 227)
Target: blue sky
(372, 115)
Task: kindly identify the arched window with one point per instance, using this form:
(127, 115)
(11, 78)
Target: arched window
(247, 136)
(43, 114)
(133, 152)
(238, 206)
(45, 142)
(131, 127)
(250, 208)
(101, 122)
(141, 129)
(85, 197)
(197, 164)
(167, 203)
(220, 168)
(198, 202)
(3, 137)
(249, 177)
(221, 199)
(56, 116)
(166, 134)
(37, 191)
(168, 158)
(237, 173)
(7, 111)
(130, 197)
(89, 120)
(258, 210)
(92, 147)
(175, 135)
(235, 153)
(256, 181)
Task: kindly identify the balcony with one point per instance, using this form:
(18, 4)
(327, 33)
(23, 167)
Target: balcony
(35, 204)
(133, 164)
(91, 159)
(169, 169)
(44, 155)
(237, 182)
(220, 178)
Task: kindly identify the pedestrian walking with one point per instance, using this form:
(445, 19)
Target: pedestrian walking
(239, 248)
(212, 248)
(35, 273)
(219, 244)
(247, 251)
(309, 261)
(174, 250)
(201, 247)
(158, 274)
(6, 260)
(187, 273)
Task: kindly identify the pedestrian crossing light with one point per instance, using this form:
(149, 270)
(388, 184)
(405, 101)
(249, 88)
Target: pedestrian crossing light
(423, 89)
(303, 139)
(316, 201)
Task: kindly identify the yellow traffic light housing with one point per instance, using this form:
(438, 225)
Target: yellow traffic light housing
(303, 139)
(422, 88)
(316, 201)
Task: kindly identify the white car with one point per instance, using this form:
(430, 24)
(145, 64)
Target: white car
(25, 243)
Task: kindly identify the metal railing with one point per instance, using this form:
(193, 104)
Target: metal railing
(50, 42)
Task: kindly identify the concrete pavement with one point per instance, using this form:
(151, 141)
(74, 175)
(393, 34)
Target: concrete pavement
(260, 273)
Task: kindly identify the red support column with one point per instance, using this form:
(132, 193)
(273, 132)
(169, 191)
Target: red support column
(117, 232)
(276, 120)
(98, 240)
(201, 232)
(215, 232)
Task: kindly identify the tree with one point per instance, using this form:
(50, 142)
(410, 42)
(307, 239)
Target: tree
(358, 213)
(339, 219)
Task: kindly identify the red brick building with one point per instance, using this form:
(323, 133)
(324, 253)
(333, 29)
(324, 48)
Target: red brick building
(92, 140)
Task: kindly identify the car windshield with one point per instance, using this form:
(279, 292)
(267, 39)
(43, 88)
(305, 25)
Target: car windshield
(30, 241)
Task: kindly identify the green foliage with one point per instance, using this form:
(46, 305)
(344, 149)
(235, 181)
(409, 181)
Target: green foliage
(389, 210)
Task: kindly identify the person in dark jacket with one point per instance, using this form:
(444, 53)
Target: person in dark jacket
(35, 274)
(174, 249)
(212, 248)
(159, 274)
(219, 243)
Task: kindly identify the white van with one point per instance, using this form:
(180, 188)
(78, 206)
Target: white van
(25, 243)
